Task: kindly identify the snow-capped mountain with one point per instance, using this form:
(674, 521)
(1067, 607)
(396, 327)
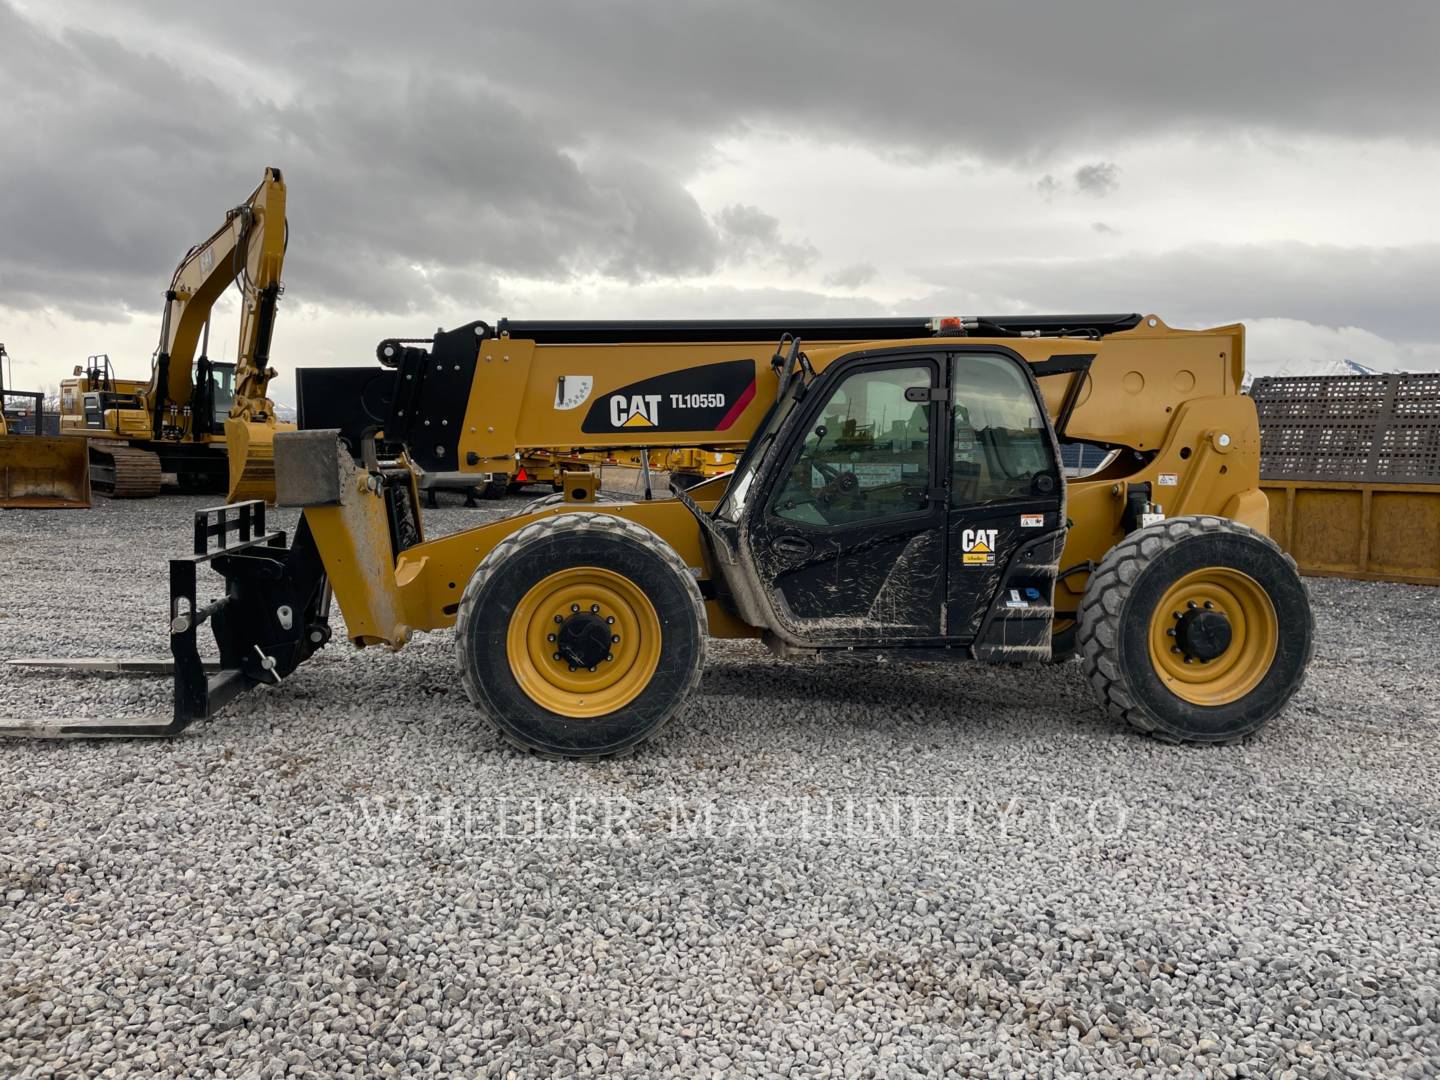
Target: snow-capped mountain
(1320, 367)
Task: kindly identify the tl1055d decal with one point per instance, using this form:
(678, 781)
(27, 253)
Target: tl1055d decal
(709, 398)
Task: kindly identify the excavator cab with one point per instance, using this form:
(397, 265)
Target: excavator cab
(214, 394)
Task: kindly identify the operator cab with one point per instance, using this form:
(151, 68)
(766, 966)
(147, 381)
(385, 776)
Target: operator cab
(214, 383)
(901, 498)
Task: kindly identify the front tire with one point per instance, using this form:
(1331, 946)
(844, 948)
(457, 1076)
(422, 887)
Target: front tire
(580, 636)
(1197, 629)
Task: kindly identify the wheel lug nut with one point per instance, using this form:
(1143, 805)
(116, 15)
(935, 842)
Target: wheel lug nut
(610, 657)
(572, 667)
(576, 607)
(549, 637)
(595, 609)
(614, 639)
(592, 667)
(1209, 606)
(559, 618)
(1171, 632)
(610, 620)
(1173, 648)
(557, 656)
(1190, 604)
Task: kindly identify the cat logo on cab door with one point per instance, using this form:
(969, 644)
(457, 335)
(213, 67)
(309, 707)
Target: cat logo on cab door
(977, 547)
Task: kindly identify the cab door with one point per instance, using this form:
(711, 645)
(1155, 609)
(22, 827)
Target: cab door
(1005, 524)
(849, 542)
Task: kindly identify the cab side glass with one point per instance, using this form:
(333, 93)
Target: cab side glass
(1002, 445)
(866, 455)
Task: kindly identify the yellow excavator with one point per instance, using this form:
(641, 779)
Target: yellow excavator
(209, 424)
(900, 497)
(37, 471)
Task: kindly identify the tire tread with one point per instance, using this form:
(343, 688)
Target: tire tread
(494, 563)
(1100, 611)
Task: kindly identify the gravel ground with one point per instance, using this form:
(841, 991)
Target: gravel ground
(816, 871)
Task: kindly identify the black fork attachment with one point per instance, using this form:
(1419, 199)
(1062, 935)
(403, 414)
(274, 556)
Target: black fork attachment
(274, 615)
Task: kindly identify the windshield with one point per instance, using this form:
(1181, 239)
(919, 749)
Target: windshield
(222, 391)
(737, 494)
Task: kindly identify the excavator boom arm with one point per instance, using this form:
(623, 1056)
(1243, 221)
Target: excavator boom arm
(250, 248)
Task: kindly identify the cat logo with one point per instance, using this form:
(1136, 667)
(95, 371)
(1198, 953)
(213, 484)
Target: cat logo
(977, 547)
(635, 410)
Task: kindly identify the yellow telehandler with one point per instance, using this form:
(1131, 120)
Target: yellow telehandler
(898, 497)
(208, 423)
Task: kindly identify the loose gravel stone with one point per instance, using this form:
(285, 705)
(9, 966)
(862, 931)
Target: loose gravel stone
(876, 871)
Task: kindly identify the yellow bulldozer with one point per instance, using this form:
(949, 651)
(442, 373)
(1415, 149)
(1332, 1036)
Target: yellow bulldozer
(899, 497)
(207, 423)
(37, 470)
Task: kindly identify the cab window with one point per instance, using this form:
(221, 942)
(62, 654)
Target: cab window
(1001, 442)
(866, 455)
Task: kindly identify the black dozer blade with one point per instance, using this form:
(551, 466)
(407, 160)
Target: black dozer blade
(273, 616)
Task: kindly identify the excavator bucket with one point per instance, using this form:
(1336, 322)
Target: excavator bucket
(250, 449)
(44, 472)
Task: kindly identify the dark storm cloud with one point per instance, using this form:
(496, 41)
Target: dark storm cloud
(1386, 290)
(406, 188)
(431, 147)
(1099, 178)
(751, 233)
(1000, 78)
(853, 276)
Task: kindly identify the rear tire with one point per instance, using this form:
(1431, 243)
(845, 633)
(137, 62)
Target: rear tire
(555, 585)
(495, 487)
(1197, 629)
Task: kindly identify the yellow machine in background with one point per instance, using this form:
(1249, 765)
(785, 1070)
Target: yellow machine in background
(37, 470)
(208, 423)
(544, 467)
(620, 470)
(685, 466)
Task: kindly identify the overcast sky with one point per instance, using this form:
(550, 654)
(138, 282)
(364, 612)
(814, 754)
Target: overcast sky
(1269, 162)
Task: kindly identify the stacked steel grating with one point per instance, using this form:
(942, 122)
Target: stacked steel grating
(1379, 429)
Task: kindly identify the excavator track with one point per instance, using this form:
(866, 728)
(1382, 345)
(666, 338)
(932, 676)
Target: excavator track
(123, 472)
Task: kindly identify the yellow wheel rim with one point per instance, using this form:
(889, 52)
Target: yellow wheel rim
(568, 605)
(1239, 667)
